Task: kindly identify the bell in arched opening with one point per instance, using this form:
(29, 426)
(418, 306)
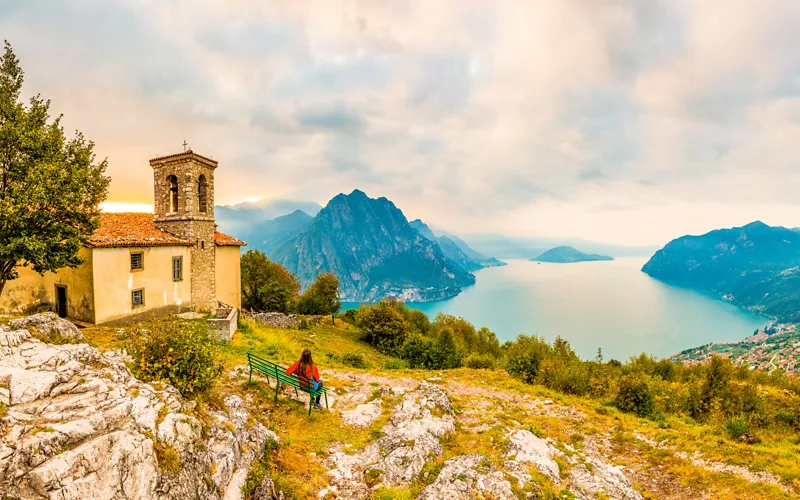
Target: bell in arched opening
(202, 194)
(173, 193)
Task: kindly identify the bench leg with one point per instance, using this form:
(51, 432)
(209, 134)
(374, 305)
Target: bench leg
(277, 388)
(326, 401)
(296, 393)
(250, 378)
(310, 399)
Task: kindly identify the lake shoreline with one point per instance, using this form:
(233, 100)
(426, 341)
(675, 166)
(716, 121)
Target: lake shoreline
(612, 305)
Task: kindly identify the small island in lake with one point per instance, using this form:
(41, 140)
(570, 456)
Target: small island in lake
(567, 254)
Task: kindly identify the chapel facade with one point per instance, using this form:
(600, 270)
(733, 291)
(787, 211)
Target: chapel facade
(138, 265)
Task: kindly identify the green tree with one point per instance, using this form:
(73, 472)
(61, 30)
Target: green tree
(50, 186)
(445, 351)
(266, 285)
(322, 297)
(385, 328)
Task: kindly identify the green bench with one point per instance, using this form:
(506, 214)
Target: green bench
(273, 370)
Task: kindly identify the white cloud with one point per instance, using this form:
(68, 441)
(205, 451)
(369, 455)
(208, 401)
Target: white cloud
(611, 120)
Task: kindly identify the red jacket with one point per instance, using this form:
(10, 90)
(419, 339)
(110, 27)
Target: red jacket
(310, 371)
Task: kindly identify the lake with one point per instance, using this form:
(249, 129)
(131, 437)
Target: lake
(611, 305)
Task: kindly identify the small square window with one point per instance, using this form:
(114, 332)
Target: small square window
(137, 261)
(137, 298)
(177, 268)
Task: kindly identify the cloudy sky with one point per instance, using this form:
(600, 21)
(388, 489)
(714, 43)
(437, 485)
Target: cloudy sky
(620, 121)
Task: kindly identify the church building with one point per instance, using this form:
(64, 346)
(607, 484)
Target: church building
(138, 265)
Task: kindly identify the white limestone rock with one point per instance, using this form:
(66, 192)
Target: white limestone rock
(49, 326)
(467, 477)
(605, 479)
(410, 438)
(363, 414)
(525, 448)
(79, 425)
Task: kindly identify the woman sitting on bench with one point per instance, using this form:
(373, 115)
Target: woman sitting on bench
(307, 372)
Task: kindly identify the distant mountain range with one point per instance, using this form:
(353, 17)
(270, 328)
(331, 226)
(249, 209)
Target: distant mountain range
(368, 243)
(567, 254)
(514, 247)
(755, 266)
(456, 249)
(245, 219)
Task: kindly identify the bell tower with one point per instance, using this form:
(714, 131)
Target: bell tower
(184, 206)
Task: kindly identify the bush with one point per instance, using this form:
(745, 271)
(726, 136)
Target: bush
(438, 354)
(480, 362)
(787, 418)
(349, 316)
(445, 353)
(736, 427)
(665, 369)
(525, 356)
(178, 352)
(385, 328)
(418, 351)
(393, 364)
(354, 360)
(634, 396)
(467, 338)
(567, 376)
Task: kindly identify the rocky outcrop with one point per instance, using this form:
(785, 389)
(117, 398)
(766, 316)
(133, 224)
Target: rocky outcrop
(600, 478)
(48, 327)
(79, 425)
(363, 414)
(409, 439)
(525, 449)
(467, 477)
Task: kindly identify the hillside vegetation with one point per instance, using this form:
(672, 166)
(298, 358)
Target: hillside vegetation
(705, 431)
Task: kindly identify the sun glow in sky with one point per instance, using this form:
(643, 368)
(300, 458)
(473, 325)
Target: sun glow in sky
(624, 121)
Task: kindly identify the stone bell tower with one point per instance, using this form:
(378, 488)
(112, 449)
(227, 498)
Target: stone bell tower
(184, 206)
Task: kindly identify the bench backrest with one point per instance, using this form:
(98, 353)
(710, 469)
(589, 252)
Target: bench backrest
(278, 372)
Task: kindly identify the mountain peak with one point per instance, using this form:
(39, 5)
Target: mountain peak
(370, 245)
(756, 225)
(357, 193)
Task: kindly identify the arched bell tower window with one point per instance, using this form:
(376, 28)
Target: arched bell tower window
(173, 193)
(202, 194)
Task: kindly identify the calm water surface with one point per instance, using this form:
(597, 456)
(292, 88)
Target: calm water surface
(612, 305)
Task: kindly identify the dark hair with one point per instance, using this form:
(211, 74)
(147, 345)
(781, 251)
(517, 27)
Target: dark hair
(305, 360)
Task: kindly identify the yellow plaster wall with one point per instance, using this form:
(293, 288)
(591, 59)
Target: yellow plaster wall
(32, 292)
(228, 279)
(114, 282)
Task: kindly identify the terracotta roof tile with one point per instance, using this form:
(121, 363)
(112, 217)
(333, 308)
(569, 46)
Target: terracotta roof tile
(128, 229)
(224, 240)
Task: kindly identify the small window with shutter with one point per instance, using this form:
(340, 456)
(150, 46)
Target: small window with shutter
(177, 268)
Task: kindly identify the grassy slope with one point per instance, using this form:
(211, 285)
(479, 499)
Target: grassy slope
(492, 397)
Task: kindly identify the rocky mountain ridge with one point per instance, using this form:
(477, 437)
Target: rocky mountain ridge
(457, 249)
(371, 247)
